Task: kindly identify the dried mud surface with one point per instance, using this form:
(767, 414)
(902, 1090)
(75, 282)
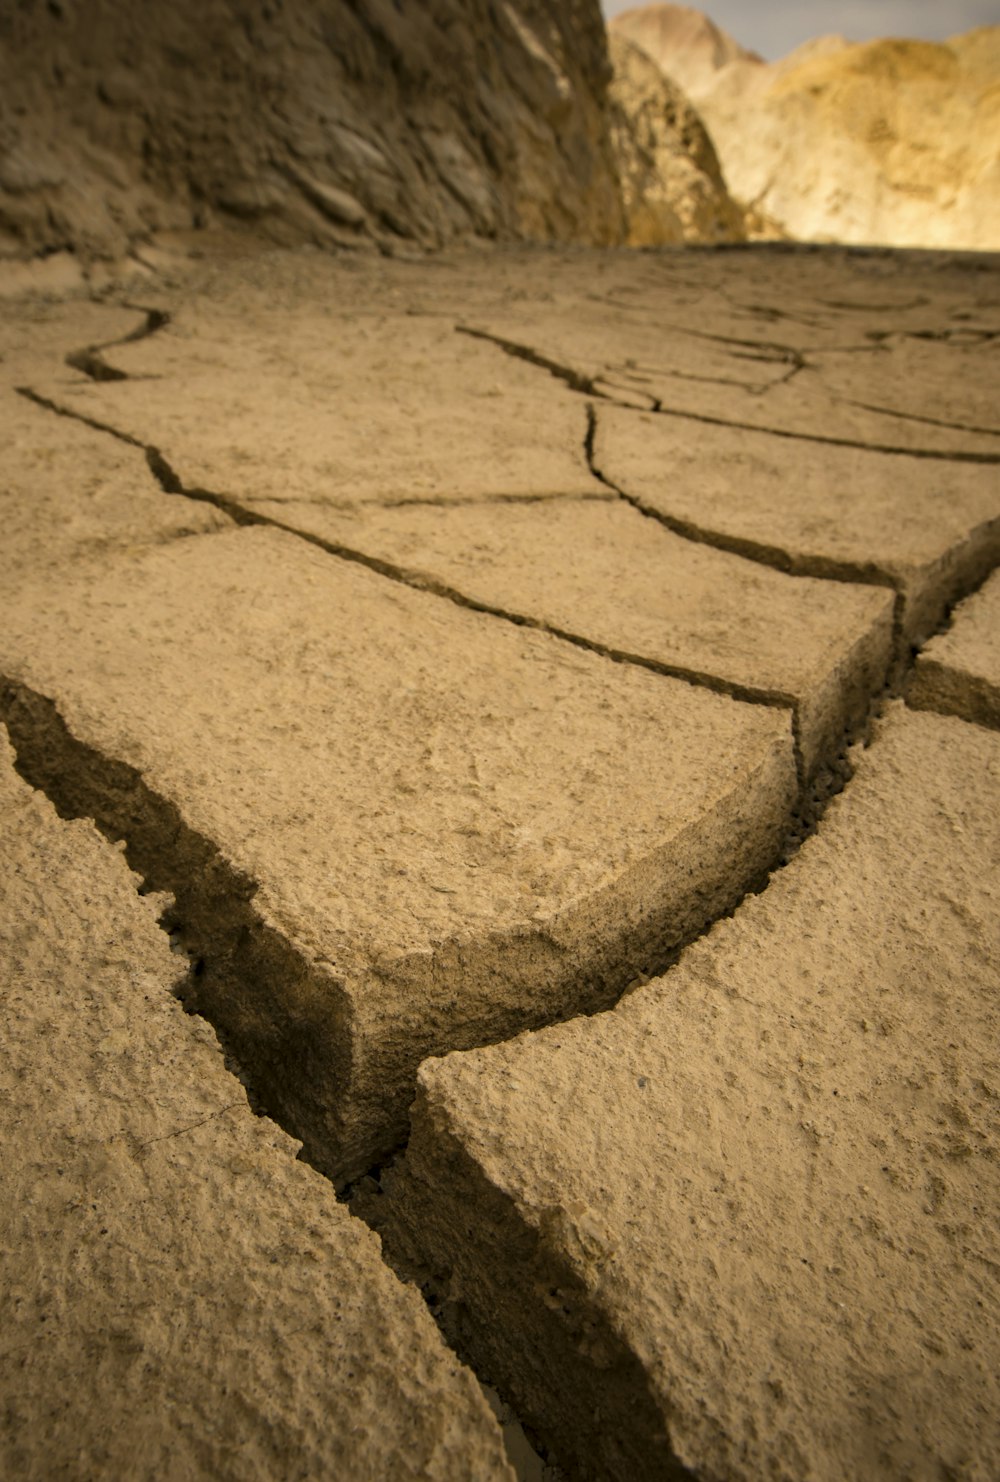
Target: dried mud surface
(181, 1297)
(449, 644)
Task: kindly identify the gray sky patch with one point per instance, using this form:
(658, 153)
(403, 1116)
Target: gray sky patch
(776, 27)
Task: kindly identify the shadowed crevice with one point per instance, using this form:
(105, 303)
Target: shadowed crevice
(90, 359)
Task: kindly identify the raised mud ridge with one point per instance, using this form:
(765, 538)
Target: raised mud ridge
(453, 695)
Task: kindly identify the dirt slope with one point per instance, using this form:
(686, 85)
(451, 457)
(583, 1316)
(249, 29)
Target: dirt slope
(335, 122)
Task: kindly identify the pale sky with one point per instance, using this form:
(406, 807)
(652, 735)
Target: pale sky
(776, 27)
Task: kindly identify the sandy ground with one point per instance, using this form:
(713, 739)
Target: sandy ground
(452, 645)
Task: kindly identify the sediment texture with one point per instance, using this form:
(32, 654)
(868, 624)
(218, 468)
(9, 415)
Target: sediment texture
(456, 641)
(181, 1298)
(743, 1224)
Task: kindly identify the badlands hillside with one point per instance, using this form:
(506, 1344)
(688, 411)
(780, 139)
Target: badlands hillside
(894, 142)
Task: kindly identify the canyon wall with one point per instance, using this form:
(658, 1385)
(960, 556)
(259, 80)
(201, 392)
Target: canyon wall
(339, 122)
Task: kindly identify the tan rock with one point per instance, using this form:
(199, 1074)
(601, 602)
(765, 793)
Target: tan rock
(180, 1298)
(672, 184)
(393, 826)
(894, 142)
(683, 42)
(958, 672)
(929, 528)
(598, 570)
(745, 1222)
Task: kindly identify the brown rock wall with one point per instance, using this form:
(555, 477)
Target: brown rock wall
(347, 122)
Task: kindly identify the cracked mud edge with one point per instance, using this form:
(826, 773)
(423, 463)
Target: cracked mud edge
(938, 687)
(946, 689)
(964, 567)
(558, 1315)
(211, 920)
(590, 386)
(421, 581)
(776, 557)
(286, 1015)
(237, 958)
(90, 360)
(244, 974)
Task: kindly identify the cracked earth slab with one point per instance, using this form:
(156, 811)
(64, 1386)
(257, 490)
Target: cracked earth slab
(67, 492)
(746, 1223)
(725, 374)
(181, 1297)
(604, 573)
(929, 528)
(958, 673)
(394, 826)
(306, 403)
(70, 494)
(943, 381)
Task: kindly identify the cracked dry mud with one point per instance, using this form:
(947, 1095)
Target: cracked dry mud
(451, 646)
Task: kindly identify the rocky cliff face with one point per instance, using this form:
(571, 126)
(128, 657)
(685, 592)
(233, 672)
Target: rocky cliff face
(340, 121)
(672, 185)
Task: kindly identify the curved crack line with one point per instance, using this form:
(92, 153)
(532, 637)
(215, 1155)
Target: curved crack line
(590, 386)
(430, 501)
(940, 455)
(90, 360)
(576, 380)
(779, 354)
(919, 417)
(421, 581)
(777, 558)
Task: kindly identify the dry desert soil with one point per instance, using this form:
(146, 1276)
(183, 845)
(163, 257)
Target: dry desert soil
(500, 790)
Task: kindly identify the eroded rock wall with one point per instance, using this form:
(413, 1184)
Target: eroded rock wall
(340, 122)
(672, 183)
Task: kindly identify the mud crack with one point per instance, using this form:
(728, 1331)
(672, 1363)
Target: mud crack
(589, 386)
(171, 483)
(90, 359)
